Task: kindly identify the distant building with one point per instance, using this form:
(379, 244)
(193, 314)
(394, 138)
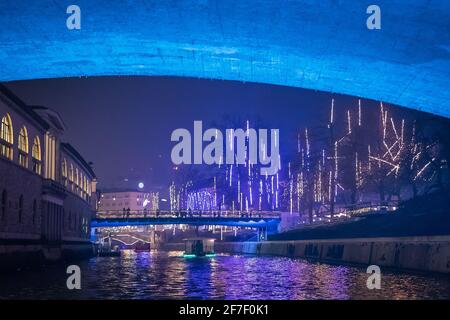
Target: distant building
(47, 189)
(115, 200)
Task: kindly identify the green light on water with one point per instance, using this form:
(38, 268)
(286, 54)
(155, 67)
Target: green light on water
(194, 255)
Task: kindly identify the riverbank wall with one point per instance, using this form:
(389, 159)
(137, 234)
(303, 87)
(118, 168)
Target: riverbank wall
(428, 254)
(32, 254)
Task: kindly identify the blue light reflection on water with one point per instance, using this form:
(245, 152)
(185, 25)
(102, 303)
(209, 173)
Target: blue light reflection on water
(168, 275)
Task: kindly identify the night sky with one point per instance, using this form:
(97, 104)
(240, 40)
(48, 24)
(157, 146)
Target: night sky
(123, 124)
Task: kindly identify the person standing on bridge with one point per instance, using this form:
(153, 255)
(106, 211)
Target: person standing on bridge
(128, 212)
(123, 213)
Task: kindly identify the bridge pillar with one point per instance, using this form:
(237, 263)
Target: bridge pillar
(262, 234)
(93, 234)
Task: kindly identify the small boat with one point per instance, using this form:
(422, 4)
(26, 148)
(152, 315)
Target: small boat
(142, 247)
(109, 252)
(199, 247)
(105, 248)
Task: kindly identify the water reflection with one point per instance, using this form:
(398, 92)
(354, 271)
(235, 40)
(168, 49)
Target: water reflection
(168, 275)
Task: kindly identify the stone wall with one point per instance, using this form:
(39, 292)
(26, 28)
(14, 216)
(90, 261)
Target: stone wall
(30, 256)
(75, 210)
(412, 253)
(18, 181)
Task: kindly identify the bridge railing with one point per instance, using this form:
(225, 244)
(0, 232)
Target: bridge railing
(130, 214)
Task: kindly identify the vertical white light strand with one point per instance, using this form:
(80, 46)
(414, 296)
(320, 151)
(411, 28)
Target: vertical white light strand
(291, 187)
(307, 149)
(260, 194)
(231, 174)
(330, 192)
(298, 192)
(332, 112)
(335, 166)
(349, 129)
(359, 113)
(215, 193)
(356, 170)
(238, 187)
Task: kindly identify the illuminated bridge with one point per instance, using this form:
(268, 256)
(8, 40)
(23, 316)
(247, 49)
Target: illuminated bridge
(322, 45)
(264, 222)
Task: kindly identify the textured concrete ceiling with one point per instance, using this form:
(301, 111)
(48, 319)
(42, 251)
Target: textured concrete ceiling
(321, 45)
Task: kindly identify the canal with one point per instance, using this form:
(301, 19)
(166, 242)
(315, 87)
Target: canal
(168, 275)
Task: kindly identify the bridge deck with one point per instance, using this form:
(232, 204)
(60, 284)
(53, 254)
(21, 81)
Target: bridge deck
(252, 221)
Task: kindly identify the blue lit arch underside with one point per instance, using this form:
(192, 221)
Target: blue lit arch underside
(268, 223)
(322, 45)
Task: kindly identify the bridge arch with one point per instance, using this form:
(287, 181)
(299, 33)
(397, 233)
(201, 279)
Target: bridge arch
(310, 44)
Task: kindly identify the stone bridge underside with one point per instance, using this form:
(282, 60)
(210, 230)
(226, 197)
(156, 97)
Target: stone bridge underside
(322, 45)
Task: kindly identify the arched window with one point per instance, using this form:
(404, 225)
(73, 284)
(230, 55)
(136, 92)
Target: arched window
(77, 177)
(85, 185)
(23, 140)
(81, 183)
(71, 176)
(4, 204)
(64, 168)
(64, 171)
(23, 147)
(36, 155)
(6, 137)
(20, 208)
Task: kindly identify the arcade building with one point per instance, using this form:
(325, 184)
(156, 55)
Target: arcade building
(47, 189)
(117, 201)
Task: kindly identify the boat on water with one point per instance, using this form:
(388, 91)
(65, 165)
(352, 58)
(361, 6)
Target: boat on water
(199, 247)
(142, 247)
(105, 248)
(108, 251)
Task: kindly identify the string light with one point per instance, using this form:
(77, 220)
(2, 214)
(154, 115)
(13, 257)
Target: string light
(318, 173)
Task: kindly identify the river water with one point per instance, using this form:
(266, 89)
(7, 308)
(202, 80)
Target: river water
(168, 275)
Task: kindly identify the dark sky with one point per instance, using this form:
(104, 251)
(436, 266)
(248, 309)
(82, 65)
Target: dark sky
(123, 124)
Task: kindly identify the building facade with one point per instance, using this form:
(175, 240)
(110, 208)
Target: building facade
(115, 201)
(47, 189)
